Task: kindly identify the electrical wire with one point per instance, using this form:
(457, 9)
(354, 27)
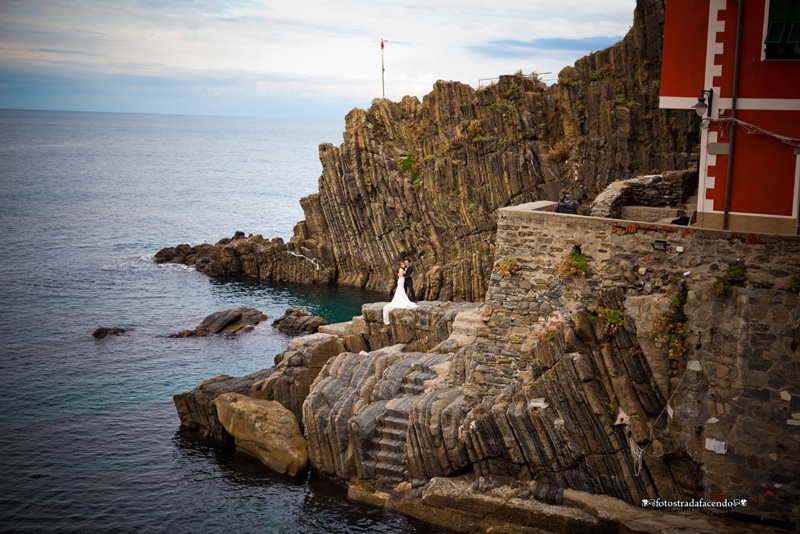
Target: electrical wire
(752, 129)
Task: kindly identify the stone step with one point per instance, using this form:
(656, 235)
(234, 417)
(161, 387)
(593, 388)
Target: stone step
(393, 433)
(390, 458)
(393, 421)
(412, 389)
(389, 471)
(649, 214)
(399, 407)
(417, 377)
(391, 445)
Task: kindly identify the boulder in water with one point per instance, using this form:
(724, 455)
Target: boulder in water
(233, 322)
(265, 430)
(103, 332)
(298, 321)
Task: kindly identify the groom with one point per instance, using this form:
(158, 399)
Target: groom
(408, 272)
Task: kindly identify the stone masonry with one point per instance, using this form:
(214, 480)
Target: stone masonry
(716, 316)
(667, 189)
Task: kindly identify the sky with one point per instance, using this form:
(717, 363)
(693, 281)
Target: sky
(288, 58)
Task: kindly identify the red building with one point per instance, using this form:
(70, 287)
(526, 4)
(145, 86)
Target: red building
(743, 58)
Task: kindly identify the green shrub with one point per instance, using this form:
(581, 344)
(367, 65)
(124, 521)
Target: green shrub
(672, 332)
(735, 276)
(794, 285)
(615, 319)
(507, 266)
(575, 264)
(407, 165)
(721, 286)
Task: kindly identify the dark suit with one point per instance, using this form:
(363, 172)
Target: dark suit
(409, 283)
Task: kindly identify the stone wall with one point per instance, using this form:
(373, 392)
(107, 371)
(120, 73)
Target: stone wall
(667, 189)
(719, 345)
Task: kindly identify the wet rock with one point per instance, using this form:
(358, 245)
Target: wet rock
(231, 322)
(264, 429)
(196, 408)
(103, 332)
(298, 321)
(288, 383)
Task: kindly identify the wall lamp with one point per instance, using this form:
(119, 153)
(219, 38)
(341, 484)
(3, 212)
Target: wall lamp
(701, 107)
(659, 244)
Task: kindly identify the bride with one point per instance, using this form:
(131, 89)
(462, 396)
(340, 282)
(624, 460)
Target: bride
(400, 299)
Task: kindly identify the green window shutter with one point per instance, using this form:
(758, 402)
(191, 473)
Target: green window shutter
(783, 30)
(794, 33)
(780, 9)
(775, 31)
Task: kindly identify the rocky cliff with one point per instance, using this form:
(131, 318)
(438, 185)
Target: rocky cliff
(424, 179)
(575, 397)
(649, 374)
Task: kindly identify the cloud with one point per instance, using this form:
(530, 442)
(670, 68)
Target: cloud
(516, 49)
(271, 54)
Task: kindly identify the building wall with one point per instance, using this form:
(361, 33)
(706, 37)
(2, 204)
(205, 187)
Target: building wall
(683, 61)
(766, 174)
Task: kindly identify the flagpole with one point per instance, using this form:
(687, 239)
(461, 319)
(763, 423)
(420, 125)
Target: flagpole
(383, 70)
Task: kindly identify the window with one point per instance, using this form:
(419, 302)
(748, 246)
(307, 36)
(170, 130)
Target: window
(783, 30)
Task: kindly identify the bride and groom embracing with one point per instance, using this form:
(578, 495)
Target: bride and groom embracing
(404, 296)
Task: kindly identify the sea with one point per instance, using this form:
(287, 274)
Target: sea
(89, 437)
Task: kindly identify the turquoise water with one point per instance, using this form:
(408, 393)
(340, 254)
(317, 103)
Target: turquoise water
(89, 437)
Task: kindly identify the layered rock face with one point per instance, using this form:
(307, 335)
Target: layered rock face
(424, 179)
(625, 381)
(433, 324)
(548, 414)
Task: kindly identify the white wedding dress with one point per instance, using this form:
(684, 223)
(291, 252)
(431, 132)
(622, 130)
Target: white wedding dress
(400, 300)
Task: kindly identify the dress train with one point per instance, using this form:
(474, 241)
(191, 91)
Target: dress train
(400, 300)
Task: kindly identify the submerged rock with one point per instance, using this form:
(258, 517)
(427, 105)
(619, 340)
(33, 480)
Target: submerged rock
(298, 321)
(103, 332)
(233, 322)
(265, 430)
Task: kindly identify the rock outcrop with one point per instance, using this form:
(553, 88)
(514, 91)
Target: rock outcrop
(196, 408)
(391, 416)
(264, 429)
(453, 503)
(621, 382)
(297, 321)
(228, 322)
(104, 332)
(289, 381)
(295, 370)
(424, 179)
